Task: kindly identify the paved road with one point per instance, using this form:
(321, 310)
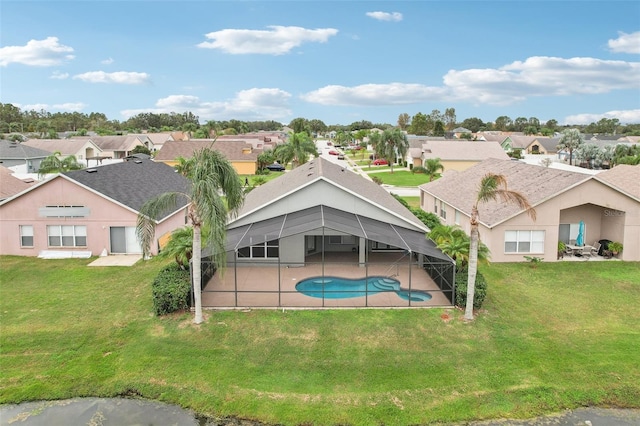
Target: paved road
(124, 412)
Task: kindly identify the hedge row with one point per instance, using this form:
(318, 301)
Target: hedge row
(171, 290)
(461, 289)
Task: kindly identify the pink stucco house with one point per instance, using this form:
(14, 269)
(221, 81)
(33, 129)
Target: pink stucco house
(91, 210)
(607, 205)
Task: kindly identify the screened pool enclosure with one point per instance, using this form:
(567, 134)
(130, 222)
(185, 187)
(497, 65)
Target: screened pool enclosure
(392, 266)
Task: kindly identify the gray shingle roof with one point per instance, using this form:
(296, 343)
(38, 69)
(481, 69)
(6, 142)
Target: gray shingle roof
(132, 183)
(319, 168)
(459, 189)
(18, 151)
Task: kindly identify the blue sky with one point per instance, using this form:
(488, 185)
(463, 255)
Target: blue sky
(337, 61)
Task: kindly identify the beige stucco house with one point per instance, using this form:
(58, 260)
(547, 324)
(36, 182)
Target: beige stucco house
(80, 148)
(91, 210)
(319, 225)
(607, 203)
(242, 155)
(118, 147)
(456, 154)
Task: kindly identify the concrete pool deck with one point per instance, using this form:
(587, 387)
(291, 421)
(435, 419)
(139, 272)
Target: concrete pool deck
(270, 286)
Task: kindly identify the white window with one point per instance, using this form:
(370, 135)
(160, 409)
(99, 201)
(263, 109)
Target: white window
(524, 241)
(266, 250)
(435, 206)
(458, 217)
(26, 236)
(443, 210)
(67, 235)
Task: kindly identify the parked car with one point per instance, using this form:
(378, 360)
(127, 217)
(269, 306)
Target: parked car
(333, 152)
(380, 162)
(341, 157)
(276, 167)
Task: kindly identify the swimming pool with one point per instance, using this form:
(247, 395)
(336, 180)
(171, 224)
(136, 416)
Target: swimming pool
(343, 288)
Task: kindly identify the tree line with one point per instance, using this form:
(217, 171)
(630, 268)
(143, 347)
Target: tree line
(45, 124)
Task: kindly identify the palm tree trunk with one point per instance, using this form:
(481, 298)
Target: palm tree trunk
(197, 272)
(473, 264)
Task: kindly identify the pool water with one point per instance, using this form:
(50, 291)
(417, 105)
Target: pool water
(344, 288)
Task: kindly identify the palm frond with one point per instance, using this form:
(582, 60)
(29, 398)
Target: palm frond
(148, 215)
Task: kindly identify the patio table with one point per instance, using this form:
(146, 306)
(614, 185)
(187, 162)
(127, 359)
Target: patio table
(579, 249)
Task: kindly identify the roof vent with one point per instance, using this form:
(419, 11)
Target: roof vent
(138, 161)
(91, 170)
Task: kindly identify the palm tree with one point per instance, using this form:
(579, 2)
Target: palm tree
(53, 164)
(455, 243)
(570, 140)
(215, 193)
(432, 166)
(297, 149)
(180, 246)
(492, 187)
(390, 144)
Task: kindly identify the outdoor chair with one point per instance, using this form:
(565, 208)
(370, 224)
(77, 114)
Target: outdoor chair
(595, 249)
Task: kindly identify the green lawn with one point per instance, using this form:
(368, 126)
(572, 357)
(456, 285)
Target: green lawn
(414, 202)
(563, 335)
(401, 177)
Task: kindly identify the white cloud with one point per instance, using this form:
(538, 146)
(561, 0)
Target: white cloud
(385, 16)
(542, 76)
(119, 77)
(39, 53)
(57, 75)
(252, 105)
(69, 106)
(625, 117)
(515, 82)
(108, 61)
(374, 94)
(626, 43)
(278, 40)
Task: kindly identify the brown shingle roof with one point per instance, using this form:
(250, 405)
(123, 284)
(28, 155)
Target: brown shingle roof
(463, 150)
(232, 150)
(66, 147)
(10, 185)
(537, 184)
(623, 177)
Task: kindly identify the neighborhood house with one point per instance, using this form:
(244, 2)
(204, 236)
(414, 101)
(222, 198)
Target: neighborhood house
(323, 236)
(568, 205)
(88, 212)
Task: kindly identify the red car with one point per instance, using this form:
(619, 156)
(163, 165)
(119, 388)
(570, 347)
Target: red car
(380, 162)
(333, 152)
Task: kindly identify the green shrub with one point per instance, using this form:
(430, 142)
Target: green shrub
(430, 219)
(171, 289)
(461, 289)
(419, 169)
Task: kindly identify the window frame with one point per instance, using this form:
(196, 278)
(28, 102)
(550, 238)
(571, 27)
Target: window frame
(268, 250)
(518, 241)
(23, 235)
(78, 235)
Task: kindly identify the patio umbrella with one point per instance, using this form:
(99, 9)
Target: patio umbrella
(580, 237)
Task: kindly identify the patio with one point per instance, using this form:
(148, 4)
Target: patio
(273, 285)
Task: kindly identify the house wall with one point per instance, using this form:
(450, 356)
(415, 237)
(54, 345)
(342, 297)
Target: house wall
(607, 214)
(241, 167)
(32, 165)
(322, 192)
(103, 214)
